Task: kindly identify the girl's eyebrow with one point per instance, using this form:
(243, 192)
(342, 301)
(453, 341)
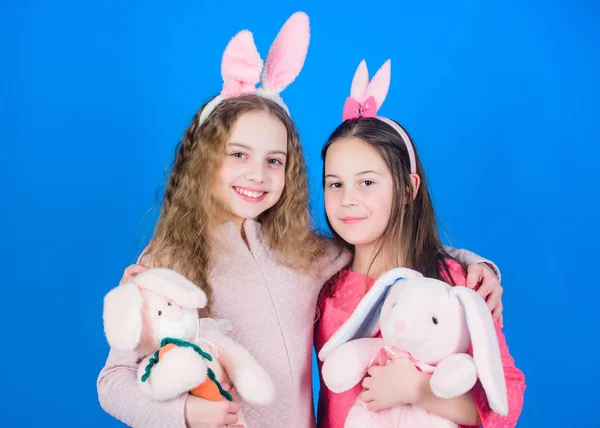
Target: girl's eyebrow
(357, 174)
(369, 171)
(277, 152)
(243, 146)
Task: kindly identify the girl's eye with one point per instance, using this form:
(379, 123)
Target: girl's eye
(335, 185)
(367, 183)
(275, 162)
(238, 155)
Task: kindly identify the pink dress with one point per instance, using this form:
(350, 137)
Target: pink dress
(347, 289)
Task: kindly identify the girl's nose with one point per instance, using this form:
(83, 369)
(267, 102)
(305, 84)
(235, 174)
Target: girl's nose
(348, 199)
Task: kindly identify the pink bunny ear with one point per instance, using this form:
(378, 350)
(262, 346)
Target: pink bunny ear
(287, 54)
(360, 82)
(378, 88)
(241, 66)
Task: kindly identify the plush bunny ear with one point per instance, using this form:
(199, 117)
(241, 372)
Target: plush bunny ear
(364, 321)
(486, 351)
(380, 84)
(360, 82)
(122, 317)
(241, 66)
(287, 54)
(173, 286)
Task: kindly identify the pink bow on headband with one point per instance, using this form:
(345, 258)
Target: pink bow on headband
(366, 97)
(353, 109)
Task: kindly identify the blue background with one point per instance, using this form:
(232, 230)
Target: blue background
(500, 97)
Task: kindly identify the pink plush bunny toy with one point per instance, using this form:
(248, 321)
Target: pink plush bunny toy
(432, 324)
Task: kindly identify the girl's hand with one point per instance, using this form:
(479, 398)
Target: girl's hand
(132, 271)
(398, 382)
(201, 413)
(137, 268)
(481, 278)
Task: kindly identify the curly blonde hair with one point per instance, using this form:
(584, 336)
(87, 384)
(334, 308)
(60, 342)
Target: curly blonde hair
(190, 209)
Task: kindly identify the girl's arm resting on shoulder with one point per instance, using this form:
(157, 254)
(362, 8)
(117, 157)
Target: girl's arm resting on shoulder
(470, 258)
(121, 397)
(334, 260)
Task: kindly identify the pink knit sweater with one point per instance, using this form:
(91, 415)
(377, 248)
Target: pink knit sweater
(272, 310)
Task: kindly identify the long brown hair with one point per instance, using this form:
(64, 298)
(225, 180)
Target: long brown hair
(411, 238)
(190, 209)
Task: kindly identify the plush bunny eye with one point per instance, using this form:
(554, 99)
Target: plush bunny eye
(435, 320)
(169, 304)
(159, 313)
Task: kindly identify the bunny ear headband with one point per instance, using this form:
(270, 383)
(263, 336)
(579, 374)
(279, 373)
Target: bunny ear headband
(242, 67)
(367, 97)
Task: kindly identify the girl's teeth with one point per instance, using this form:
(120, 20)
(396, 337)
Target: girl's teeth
(250, 194)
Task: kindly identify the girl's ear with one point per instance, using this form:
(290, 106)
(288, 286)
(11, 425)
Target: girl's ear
(415, 182)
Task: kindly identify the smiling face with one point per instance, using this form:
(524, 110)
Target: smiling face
(251, 177)
(358, 191)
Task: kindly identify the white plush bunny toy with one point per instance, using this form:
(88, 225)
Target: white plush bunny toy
(156, 315)
(429, 322)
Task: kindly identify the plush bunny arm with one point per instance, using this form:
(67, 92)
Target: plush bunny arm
(348, 364)
(177, 371)
(250, 379)
(454, 376)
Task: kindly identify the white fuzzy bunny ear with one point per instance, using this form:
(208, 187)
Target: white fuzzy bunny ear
(486, 351)
(287, 54)
(380, 84)
(364, 321)
(122, 317)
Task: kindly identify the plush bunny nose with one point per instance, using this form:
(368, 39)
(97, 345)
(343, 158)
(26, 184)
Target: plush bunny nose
(400, 325)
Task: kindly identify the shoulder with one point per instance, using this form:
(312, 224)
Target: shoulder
(333, 260)
(333, 284)
(452, 271)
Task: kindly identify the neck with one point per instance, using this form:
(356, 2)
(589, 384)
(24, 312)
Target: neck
(239, 223)
(367, 262)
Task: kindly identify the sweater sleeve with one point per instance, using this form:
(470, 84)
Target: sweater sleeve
(121, 397)
(470, 258)
(333, 261)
